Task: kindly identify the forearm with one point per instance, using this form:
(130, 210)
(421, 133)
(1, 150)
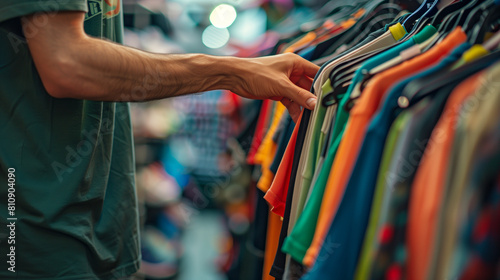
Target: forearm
(73, 65)
(99, 70)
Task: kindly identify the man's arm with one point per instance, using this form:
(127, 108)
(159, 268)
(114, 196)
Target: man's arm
(74, 65)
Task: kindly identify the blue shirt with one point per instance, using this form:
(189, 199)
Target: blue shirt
(349, 225)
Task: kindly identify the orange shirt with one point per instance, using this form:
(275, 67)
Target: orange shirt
(272, 241)
(302, 42)
(266, 151)
(360, 117)
(262, 124)
(264, 157)
(276, 195)
(427, 188)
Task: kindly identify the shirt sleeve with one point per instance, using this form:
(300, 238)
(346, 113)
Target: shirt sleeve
(16, 8)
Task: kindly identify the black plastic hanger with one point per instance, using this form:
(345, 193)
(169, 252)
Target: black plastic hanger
(347, 35)
(343, 68)
(443, 18)
(340, 78)
(475, 15)
(490, 17)
(346, 68)
(448, 23)
(464, 13)
(344, 81)
(420, 88)
(416, 14)
(441, 14)
(334, 96)
(377, 23)
(351, 35)
(451, 21)
(339, 88)
(426, 9)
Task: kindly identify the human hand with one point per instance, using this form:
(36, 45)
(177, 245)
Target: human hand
(286, 78)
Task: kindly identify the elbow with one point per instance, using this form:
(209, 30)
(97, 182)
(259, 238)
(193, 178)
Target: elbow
(60, 79)
(55, 89)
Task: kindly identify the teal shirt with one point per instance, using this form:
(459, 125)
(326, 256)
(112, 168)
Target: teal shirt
(75, 198)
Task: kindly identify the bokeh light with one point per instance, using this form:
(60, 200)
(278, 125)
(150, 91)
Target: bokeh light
(214, 37)
(223, 16)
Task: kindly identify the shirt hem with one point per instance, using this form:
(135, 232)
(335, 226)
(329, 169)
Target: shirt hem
(294, 249)
(276, 203)
(119, 272)
(276, 272)
(310, 257)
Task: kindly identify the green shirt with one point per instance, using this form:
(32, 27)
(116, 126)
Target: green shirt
(75, 198)
(393, 145)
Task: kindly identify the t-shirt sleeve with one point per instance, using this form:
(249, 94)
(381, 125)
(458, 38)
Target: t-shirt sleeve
(16, 8)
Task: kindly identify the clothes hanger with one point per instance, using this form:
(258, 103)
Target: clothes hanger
(347, 35)
(328, 57)
(443, 17)
(475, 15)
(348, 70)
(345, 77)
(490, 17)
(431, 11)
(416, 14)
(333, 97)
(340, 87)
(464, 13)
(344, 81)
(421, 88)
(341, 83)
(448, 24)
(375, 23)
(452, 20)
(421, 12)
(341, 69)
(441, 14)
(368, 75)
(340, 78)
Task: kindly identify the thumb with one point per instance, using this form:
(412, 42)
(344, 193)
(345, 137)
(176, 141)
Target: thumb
(302, 97)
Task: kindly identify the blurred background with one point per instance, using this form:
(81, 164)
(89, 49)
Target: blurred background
(196, 191)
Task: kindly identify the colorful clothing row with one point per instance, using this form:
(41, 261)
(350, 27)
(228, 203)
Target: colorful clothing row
(394, 174)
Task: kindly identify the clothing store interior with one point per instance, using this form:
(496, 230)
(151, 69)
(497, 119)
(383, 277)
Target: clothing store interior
(394, 175)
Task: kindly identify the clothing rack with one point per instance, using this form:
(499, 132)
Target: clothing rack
(395, 173)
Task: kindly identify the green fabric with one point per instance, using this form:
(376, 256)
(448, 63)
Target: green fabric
(303, 231)
(313, 151)
(76, 204)
(321, 142)
(365, 260)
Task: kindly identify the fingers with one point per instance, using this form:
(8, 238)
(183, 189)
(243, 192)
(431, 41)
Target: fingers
(293, 108)
(305, 82)
(302, 97)
(310, 69)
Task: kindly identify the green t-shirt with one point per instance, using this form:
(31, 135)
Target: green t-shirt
(75, 199)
